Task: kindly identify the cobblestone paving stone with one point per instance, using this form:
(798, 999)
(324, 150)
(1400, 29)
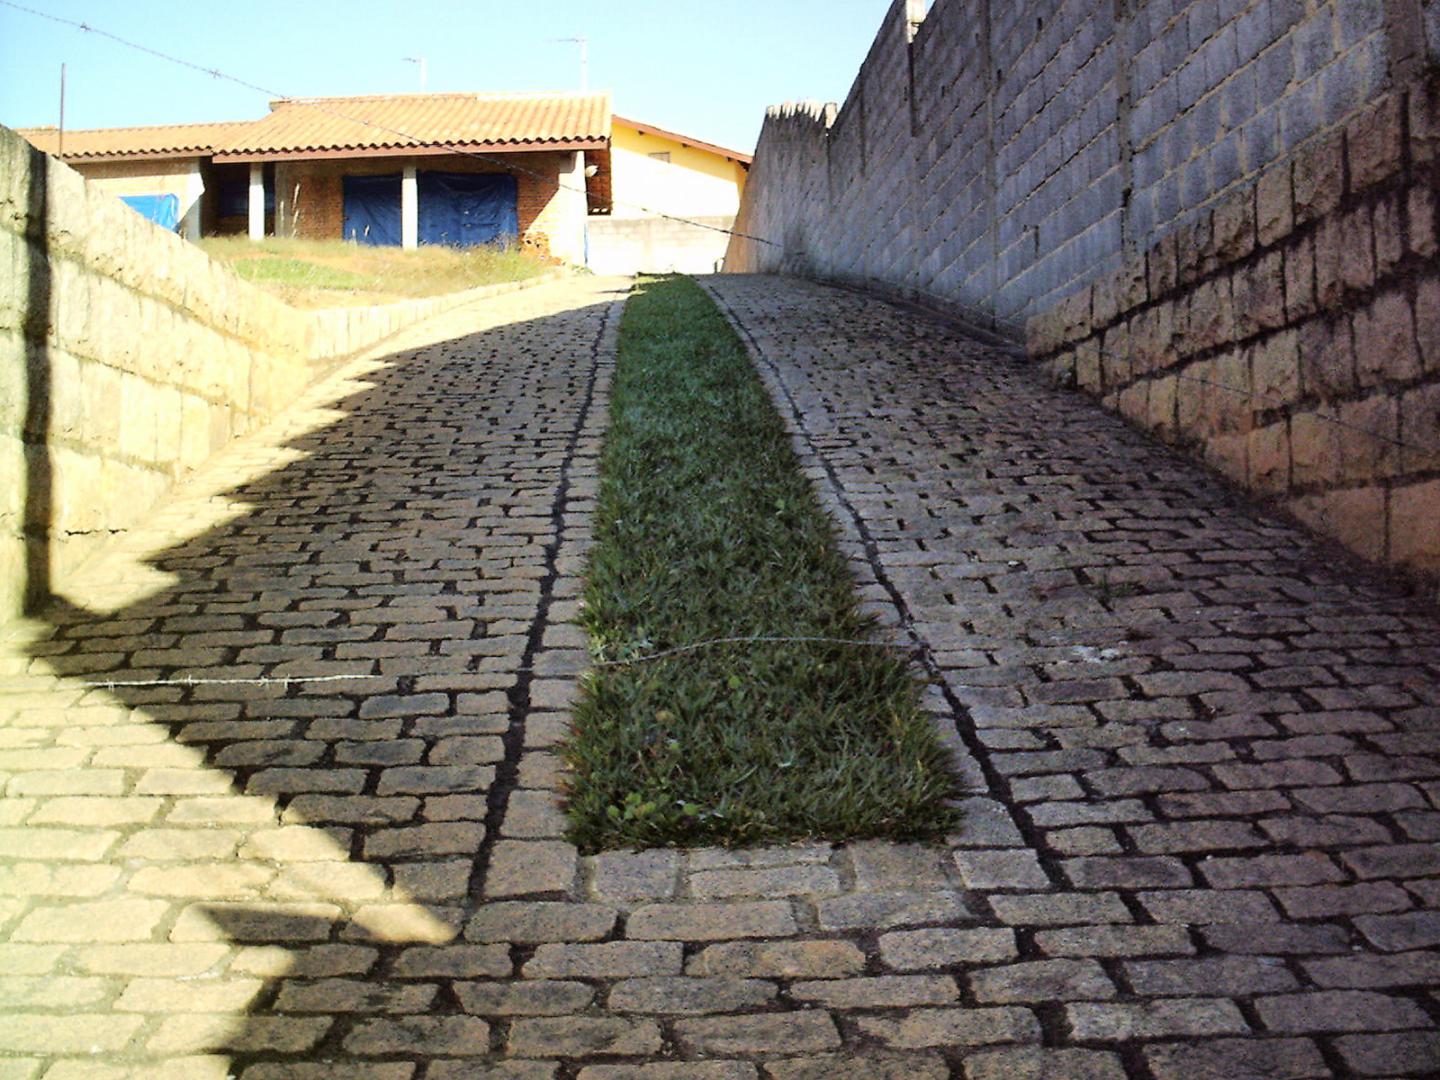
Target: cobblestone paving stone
(1200, 753)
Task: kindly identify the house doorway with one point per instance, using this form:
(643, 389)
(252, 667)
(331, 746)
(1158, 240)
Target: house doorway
(466, 209)
(453, 209)
(372, 210)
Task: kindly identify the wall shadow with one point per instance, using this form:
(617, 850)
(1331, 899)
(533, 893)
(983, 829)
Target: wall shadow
(401, 540)
(37, 515)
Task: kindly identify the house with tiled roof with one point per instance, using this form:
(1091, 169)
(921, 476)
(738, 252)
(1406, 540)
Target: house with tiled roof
(162, 164)
(559, 172)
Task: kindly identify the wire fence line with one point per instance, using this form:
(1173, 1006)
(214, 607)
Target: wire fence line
(919, 646)
(595, 664)
(968, 313)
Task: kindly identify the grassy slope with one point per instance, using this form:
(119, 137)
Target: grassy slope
(706, 528)
(321, 273)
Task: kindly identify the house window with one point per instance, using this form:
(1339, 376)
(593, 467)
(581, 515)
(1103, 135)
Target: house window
(663, 155)
(233, 196)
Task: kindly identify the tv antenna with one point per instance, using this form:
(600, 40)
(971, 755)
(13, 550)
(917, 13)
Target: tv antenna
(584, 44)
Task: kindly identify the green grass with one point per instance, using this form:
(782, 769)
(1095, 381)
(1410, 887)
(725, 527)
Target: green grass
(706, 529)
(298, 272)
(323, 273)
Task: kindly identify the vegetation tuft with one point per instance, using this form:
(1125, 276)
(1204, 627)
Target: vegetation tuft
(325, 273)
(707, 529)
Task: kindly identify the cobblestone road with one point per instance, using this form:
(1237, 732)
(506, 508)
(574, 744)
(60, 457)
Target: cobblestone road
(1202, 754)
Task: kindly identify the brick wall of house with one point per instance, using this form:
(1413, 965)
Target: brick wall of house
(311, 199)
(537, 205)
(1119, 170)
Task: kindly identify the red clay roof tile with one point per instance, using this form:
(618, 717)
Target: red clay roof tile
(441, 121)
(163, 140)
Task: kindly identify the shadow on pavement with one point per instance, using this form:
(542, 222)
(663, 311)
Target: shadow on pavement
(330, 835)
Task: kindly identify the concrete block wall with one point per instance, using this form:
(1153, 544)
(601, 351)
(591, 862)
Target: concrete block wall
(619, 245)
(128, 356)
(1012, 161)
(996, 156)
(1290, 337)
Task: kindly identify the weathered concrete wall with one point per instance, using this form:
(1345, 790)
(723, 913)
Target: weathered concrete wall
(1242, 185)
(1000, 155)
(127, 356)
(183, 179)
(656, 245)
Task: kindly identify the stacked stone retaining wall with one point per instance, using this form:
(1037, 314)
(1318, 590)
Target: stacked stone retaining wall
(127, 356)
(1291, 336)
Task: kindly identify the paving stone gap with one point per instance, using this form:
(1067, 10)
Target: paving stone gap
(1200, 752)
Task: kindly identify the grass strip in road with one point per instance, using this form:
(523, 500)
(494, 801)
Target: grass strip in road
(706, 528)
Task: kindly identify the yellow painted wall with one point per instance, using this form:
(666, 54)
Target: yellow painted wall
(693, 183)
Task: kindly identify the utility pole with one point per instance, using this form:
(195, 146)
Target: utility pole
(60, 149)
(420, 62)
(584, 44)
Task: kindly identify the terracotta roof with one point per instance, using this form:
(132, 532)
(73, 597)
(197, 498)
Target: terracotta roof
(399, 123)
(367, 126)
(165, 140)
(686, 140)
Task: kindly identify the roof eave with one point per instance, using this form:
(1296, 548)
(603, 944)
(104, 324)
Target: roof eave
(131, 156)
(362, 153)
(685, 140)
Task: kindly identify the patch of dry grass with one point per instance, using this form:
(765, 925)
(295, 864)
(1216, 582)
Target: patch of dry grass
(331, 273)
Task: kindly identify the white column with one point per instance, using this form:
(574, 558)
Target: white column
(194, 192)
(567, 236)
(257, 201)
(287, 193)
(409, 210)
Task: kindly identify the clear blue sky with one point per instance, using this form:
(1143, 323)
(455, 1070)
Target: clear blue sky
(701, 67)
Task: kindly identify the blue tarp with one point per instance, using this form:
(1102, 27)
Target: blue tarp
(372, 210)
(455, 209)
(466, 209)
(164, 210)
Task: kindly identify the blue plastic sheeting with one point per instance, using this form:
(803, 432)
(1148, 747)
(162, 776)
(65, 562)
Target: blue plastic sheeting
(372, 210)
(466, 209)
(455, 209)
(163, 210)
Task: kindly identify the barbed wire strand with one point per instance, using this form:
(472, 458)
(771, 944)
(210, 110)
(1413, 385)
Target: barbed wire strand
(367, 676)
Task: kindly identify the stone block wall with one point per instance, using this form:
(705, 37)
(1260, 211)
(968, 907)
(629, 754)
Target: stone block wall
(1291, 336)
(1218, 193)
(997, 156)
(128, 356)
